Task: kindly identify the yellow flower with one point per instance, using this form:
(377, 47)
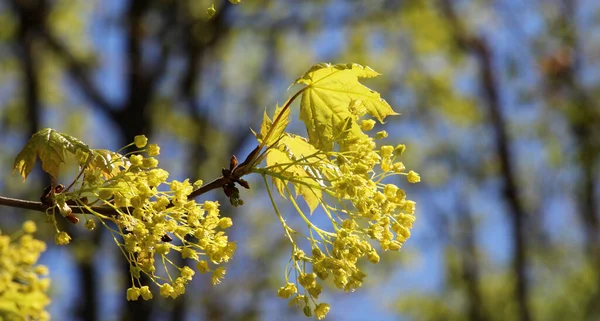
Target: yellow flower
(41, 270)
(62, 238)
(166, 290)
(29, 227)
(149, 162)
(413, 177)
(399, 150)
(308, 280)
(146, 293)
(382, 134)
(218, 275)
(90, 224)
(367, 125)
(225, 222)
(153, 150)
(373, 257)
(287, 291)
(187, 273)
(133, 293)
(140, 141)
(321, 311)
(386, 151)
(136, 160)
(202, 267)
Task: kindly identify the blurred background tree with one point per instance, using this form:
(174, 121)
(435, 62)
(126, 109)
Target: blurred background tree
(499, 113)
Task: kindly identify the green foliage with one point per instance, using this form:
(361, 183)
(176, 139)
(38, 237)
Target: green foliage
(288, 164)
(332, 96)
(339, 170)
(51, 148)
(269, 133)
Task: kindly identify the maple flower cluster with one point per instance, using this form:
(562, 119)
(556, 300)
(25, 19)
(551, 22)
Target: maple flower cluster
(151, 222)
(348, 187)
(23, 287)
(341, 170)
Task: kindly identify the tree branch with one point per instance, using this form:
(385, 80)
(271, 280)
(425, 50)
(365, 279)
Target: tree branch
(470, 261)
(517, 214)
(79, 72)
(104, 210)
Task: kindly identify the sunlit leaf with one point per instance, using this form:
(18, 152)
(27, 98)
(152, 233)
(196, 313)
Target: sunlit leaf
(109, 162)
(332, 91)
(303, 181)
(298, 146)
(50, 147)
(269, 133)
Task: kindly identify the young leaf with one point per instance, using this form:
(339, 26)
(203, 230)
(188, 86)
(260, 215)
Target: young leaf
(299, 147)
(50, 146)
(304, 183)
(332, 90)
(109, 162)
(271, 130)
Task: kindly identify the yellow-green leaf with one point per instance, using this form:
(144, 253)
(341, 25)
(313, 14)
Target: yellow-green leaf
(299, 147)
(304, 183)
(271, 130)
(51, 147)
(109, 162)
(276, 157)
(334, 94)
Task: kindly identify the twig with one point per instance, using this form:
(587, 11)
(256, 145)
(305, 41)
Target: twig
(104, 210)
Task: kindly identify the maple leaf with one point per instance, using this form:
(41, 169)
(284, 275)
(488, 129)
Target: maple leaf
(330, 94)
(304, 178)
(109, 162)
(270, 133)
(51, 147)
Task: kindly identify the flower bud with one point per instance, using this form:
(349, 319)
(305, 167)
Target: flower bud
(287, 291)
(153, 150)
(133, 293)
(90, 224)
(367, 124)
(381, 135)
(62, 238)
(413, 177)
(29, 227)
(140, 141)
(145, 292)
(321, 311)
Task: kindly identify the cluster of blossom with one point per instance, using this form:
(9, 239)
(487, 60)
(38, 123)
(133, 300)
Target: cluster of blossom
(22, 285)
(364, 210)
(151, 223)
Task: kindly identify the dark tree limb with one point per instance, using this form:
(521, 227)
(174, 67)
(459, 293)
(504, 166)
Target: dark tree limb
(584, 118)
(31, 16)
(479, 48)
(32, 23)
(470, 262)
(79, 72)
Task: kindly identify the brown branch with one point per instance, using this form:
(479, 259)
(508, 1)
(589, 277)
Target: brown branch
(583, 124)
(517, 214)
(470, 262)
(104, 210)
(28, 17)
